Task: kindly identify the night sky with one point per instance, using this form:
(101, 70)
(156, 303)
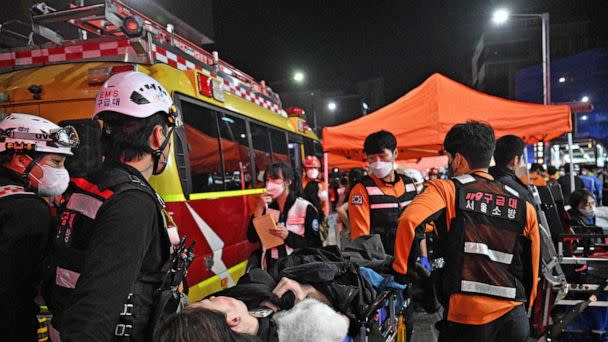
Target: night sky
(402, 41)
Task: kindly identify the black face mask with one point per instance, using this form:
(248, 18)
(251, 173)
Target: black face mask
(156, 154)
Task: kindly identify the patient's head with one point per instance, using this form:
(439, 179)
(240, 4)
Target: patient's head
(198, 324)
(235, 311)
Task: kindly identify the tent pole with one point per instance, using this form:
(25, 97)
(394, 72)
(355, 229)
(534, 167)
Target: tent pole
(326, 171)
(571, 162)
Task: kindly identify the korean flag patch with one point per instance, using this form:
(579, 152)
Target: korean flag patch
(357, 200)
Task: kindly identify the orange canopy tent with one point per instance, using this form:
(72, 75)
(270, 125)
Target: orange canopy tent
(421, 118)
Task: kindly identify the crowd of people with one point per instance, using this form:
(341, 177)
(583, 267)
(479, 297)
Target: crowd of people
(109, 247)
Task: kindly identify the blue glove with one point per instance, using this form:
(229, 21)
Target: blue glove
(425, 263)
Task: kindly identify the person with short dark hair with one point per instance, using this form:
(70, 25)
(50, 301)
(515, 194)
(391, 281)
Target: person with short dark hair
(195, 324)
(297, 219)
(32, 168)
(488, 237)
(111, 244)
(536, 176)
(553, 174)
(509, 158)
(377, 201)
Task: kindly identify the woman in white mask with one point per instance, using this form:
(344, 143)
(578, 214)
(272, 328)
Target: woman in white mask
(582, 208)
(297, 221)
(32, 155)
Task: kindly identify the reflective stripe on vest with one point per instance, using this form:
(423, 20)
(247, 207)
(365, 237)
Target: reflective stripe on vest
(66, 278)
(482, 248)
(491, 290)
(84, 204)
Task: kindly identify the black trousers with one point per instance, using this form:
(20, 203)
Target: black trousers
(511, 327)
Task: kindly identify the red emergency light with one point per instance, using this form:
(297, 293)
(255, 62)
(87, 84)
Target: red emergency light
(205, 85)
(294, 111)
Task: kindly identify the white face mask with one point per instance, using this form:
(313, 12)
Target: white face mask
(381, 169)
(54, 181)
(322, 195)
(312, 173)
(588, 212)
(275, 190)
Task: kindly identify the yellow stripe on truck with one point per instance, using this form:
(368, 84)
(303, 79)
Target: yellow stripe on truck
(215, 283)
(212, 195)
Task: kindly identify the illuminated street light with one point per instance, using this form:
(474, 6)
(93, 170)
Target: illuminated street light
(584, 117)
(562, 80)
(298, 76)
(585, 99)
(500, 16)
(331, 106)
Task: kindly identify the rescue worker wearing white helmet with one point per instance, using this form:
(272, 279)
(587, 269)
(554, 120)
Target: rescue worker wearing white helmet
(111, 241)
(32, 155)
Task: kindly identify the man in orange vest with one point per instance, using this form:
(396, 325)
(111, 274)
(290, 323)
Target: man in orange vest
(312, 173)
(488, 237)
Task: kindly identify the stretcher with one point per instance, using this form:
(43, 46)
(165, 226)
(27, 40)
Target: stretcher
(572, 301)
(384, 320)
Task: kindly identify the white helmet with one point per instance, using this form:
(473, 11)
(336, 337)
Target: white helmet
(134, 94)
(415, 175)
(25, 132)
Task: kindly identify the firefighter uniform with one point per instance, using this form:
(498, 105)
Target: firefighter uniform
(375, 206)
(25, 222)
(489, 238)
(108, 253)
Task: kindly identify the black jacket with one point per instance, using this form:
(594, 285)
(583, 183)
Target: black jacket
(508, 178)
(564, 182)
(24, 229)
(127, 240)
(311, 236)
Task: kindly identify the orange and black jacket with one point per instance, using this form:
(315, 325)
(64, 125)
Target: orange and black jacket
(491, 243)
(375, 205)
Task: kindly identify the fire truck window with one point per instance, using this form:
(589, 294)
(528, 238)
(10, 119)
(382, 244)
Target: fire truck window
(200, 125)
(261, 149)
(279, 147)
(87, 157)
(235, 151)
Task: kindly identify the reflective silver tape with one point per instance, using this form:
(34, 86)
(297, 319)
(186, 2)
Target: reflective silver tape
(511, 190)
(481, 288)
(465, 179)
(409, 187)
(374, 191)
(404, 204)
(84, 204)
(384, 205)
(482, 248)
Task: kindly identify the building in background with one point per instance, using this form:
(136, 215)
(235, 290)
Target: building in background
(579, 78)
(503, 50)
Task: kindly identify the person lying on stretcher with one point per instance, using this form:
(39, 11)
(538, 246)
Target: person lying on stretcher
(310, 318)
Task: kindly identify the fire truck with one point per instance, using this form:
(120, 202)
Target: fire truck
(233, 126)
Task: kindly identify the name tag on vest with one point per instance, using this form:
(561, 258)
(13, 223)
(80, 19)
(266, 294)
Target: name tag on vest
(492, 205)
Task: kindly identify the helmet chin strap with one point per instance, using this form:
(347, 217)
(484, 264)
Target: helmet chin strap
(26, 172)
(156, 154)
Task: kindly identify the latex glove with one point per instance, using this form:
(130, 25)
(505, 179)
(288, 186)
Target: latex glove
(425, 263)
